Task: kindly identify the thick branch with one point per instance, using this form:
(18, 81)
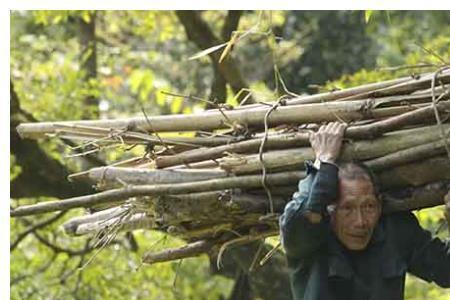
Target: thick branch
(416, 197)
(299, 114)
(359, 150)
(113, 176)
(282, 141)
(145, 190)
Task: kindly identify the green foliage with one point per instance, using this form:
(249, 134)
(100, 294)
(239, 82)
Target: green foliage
(14, 169)
(39, 273)
(367, 15)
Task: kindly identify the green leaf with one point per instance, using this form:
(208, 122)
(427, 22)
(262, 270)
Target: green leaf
(207, 51)
(367, 15)
(86, 16)
(57, 19)
(175, 106)
(228, 47)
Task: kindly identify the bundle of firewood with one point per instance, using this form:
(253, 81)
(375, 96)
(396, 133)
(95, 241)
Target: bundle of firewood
(227, 182)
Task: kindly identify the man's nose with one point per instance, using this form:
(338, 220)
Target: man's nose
(359, 219)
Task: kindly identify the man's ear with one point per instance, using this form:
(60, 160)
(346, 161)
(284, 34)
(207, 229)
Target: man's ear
(313, 217)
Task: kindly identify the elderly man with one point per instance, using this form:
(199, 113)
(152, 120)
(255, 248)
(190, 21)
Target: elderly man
(337, 242)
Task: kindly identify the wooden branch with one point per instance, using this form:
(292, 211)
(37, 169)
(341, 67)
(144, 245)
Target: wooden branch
(360, 92)
(196, 155)
(147, 190)
(359, 150)
(70, 227)
(403, 88)
(110, 135)
(108, 177)
(297, 114)
(189, 250)
(422, 115)
(136, 221)
(201, 247)
(412, 198)
(412, 154)
(415, 174)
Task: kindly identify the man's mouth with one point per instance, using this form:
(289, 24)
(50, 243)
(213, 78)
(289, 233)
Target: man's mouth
(359, 236)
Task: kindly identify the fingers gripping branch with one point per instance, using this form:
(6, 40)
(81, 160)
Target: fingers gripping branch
(327, 141)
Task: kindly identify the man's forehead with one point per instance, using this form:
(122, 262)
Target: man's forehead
(356, 188)
(356, 181)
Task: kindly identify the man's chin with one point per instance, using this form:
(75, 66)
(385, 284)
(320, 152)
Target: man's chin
(356, 243)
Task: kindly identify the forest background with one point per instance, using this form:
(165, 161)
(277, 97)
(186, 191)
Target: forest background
(68, 65)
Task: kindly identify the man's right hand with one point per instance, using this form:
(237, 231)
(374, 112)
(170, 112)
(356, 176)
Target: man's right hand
(327, 141)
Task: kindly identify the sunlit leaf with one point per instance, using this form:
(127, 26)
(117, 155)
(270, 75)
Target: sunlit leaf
(207, 51)
(367, 15)
(175, 106)
(86, 16)
(229, 46)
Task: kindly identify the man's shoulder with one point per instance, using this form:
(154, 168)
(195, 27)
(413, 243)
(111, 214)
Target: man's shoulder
(401, 227)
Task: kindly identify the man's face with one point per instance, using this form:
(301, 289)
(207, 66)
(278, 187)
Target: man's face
(356, 214)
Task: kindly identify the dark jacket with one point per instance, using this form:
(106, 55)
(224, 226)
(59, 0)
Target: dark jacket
(321, 268)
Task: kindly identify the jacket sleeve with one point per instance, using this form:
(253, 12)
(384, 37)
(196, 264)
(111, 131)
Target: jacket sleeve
(429, 257)
(300, 237)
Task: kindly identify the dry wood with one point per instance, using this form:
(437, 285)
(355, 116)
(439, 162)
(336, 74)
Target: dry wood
(413, 198)
(273, 142)
(146, 190)
(297, 114)
(108, 177)
(359, 150)
(416, 174)
(189, 250)
(136, 221)
(110, 135)
(409, 198)
(423, 115)
(403, 88)
(71, 226)
(409, 155)
(334, 95)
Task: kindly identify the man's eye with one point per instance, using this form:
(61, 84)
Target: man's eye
(346, 209)
(371, 207)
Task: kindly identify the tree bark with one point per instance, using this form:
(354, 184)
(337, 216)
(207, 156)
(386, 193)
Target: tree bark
(199, 32)
(88, 59)
(40, 174)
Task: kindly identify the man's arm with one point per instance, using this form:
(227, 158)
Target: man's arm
(429, 257)
(303, 226)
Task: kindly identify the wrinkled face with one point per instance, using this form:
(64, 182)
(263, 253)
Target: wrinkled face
(356, 213)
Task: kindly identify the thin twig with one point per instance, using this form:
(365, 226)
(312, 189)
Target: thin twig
(269, 254)
(433, 53)
(257, 254)
(406, 67)
(244, 239)
(35, 227)
(436, 111)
